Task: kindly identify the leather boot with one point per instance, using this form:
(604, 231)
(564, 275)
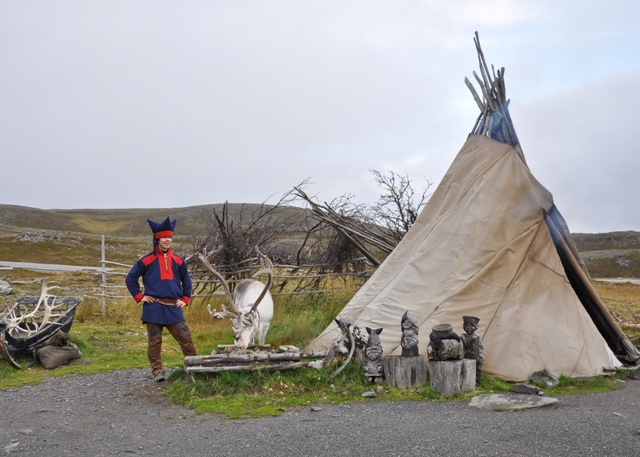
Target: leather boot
(154, 347)
(181, 333)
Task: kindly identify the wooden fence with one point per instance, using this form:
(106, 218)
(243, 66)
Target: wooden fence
(287, 279)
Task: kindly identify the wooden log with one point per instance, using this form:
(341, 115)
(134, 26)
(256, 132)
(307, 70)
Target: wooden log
(476, 97)
(216, 359)
(34, 299)
(283, 367)
(251, 347)
(445, 376)
(404, 372)
(468, 375)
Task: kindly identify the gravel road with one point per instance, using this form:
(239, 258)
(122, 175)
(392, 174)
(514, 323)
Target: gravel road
(124, 413)
(46, 266)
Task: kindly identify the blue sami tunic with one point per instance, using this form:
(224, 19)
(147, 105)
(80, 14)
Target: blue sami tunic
(164, 275)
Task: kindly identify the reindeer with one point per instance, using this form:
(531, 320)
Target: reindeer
(251, 305)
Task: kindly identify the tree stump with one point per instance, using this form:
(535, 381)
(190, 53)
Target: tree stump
(445, 376)
(404, 372)
(468, 375)
(451, 377)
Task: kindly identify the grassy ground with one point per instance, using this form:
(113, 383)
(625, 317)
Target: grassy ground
(117, 340)
(70, 248)
(623, 301)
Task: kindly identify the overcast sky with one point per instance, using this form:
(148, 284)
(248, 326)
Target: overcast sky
(146, 104)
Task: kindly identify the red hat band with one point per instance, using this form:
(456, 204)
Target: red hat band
(163, 234)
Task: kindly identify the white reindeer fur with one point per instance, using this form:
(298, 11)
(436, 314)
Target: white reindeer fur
(245, 295)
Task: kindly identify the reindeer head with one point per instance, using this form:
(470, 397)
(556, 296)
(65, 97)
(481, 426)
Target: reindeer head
(245, 324)
(245, 327)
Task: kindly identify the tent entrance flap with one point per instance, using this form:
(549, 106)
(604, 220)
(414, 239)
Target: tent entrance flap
(581, 283)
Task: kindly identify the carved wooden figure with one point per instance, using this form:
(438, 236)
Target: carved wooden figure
(409, 339)
(407, 369)
(444, 344)
(340, 345)
(473, 344)
(372, 362)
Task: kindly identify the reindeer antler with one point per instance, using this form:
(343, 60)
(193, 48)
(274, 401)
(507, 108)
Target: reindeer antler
(203, 252)
(14, 320)
(221, 315)
(267, 268)
(265, 264)
(204, 259)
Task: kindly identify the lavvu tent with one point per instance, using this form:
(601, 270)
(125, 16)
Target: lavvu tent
(491, 243)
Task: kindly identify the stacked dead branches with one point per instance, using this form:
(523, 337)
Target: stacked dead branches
(494, 120)
(343, 230)
(352, 226)
(234, 237)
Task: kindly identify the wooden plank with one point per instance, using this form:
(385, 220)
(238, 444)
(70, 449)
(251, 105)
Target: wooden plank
(249, 348)
(34, 299)
(215, 359)
(283, 367)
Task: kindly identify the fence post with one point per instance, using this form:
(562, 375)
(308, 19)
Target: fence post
(104, 280)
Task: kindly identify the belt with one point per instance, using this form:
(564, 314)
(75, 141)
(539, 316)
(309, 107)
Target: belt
(166, 301)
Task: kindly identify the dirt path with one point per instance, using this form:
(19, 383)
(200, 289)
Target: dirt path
(124, 413)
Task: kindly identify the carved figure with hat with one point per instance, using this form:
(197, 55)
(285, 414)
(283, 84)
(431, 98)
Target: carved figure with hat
(473, 344)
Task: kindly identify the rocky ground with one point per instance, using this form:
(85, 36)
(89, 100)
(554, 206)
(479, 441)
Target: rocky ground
(124, 413)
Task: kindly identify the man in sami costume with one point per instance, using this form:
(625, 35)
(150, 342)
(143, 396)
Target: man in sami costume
(167, 289)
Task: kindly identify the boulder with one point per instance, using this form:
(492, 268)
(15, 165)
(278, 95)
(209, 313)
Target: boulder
(544, 377)
(526, 389)
(511, 402)
(5, 288)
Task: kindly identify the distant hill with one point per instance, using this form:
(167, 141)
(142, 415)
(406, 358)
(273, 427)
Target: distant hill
(126, 222)
(606, 241)
(73, 236)
(610, 255)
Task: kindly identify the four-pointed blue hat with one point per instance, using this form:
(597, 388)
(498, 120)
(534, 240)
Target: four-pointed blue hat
(162, 229)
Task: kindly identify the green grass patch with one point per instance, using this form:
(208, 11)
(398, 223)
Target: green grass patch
(257, 394)
(569, 386)
(490, 384)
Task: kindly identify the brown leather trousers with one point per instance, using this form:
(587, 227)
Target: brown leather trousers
(179, 331)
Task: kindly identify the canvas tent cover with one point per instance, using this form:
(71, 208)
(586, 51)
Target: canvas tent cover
(483, 246)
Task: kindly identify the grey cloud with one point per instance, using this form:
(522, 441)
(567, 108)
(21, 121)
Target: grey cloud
(582, 145)
(147, 104)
